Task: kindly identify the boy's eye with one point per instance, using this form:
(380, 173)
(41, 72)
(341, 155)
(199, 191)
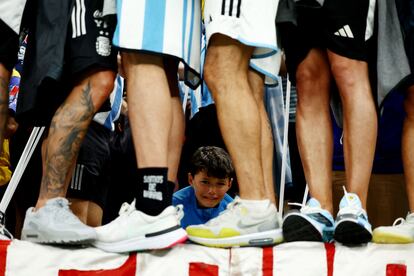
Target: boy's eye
(204, 181)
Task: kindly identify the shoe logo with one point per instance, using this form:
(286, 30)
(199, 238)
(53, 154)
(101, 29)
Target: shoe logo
(345, 31)
(248, 223)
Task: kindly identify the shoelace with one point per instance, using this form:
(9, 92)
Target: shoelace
(179, 211)
(63, 211)
(229, 210)
(305, 208)
(352, 207)
(398, 221)
(127, 208)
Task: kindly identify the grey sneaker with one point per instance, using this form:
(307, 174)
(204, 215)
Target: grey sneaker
(55, 223)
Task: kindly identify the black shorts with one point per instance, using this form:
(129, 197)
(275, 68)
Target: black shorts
(9, 44)
(68, 39)
(342, 26)
(90, 179)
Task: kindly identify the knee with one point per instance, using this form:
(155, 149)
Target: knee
(312, 83)
(307, 74)
(347, 71)
(102, 84)
(212, 72)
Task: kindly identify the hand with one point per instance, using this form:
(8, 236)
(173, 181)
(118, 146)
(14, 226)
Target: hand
(11, 127)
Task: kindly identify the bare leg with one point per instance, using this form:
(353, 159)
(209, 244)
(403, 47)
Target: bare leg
(314, 126)
(256, 81)
(149, 108)
(225, 73)
(407, 147)
(360, 122)
(176, 137)
(67, 131)
(88, 212)
(4, 100)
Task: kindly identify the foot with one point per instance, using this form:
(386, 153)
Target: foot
(402, 231)
(352, 226)
(241, 224)
(133, 230)
(310, 223)
(54, 223)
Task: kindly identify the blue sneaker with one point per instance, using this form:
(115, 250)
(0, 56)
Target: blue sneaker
(310, 223)
(352, 226)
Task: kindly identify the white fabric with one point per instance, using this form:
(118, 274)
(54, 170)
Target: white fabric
(255, 26)
(288, 259)
(11, 12)
(109, 7)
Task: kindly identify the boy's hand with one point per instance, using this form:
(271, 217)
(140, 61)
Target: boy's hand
(11, 127)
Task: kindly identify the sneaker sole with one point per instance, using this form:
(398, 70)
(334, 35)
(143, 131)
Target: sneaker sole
(162, 241)
(256, 239)
(390, 238)
(298, 228)
(39, 238)
(350, 232)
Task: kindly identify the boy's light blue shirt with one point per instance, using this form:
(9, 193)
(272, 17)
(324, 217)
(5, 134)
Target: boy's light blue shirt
(193, 214)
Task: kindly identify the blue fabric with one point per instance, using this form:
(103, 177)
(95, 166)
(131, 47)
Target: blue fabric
(192, 213)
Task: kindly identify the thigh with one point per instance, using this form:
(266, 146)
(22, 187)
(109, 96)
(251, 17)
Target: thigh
(349, 26)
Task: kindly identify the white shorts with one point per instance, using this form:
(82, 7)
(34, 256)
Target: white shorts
(252, 22)
(171, 28)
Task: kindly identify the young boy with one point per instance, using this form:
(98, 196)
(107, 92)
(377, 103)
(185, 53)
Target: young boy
(210, 177)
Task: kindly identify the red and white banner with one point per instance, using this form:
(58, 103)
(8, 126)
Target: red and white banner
(20, 258)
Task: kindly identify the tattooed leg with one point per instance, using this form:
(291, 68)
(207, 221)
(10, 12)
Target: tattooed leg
(67, 131)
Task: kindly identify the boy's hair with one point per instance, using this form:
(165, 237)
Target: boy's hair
(214, 161)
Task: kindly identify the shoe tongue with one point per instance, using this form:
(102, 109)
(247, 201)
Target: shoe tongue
(312, 202)
(410, 218)
(127, 208)
(350, 199)
(60, 201)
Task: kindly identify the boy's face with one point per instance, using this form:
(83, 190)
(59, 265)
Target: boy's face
(209, 190)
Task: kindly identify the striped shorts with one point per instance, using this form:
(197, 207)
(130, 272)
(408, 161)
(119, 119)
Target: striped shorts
(171, 28)
(252, 22)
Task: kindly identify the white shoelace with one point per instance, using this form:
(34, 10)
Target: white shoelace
(398, 221)
(352, 206)
(305, 208)
(127, 208)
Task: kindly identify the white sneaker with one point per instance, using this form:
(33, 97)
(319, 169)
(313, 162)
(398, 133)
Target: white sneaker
(402, 231)
(240, 225)
(135, 231)
(55, 223)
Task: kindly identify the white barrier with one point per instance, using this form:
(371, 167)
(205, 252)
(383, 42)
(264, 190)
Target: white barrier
(20, 258)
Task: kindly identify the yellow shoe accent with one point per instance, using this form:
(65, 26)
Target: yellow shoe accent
(208, 234)
(389, 238)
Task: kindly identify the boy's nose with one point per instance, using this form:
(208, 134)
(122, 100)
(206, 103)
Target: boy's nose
(211, 189)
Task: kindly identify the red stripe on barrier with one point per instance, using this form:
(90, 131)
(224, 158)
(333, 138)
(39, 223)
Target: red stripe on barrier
(203, 269)
(396, 270)
(3, 256)
(267, 262)
(330, 257)
(128, 268)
